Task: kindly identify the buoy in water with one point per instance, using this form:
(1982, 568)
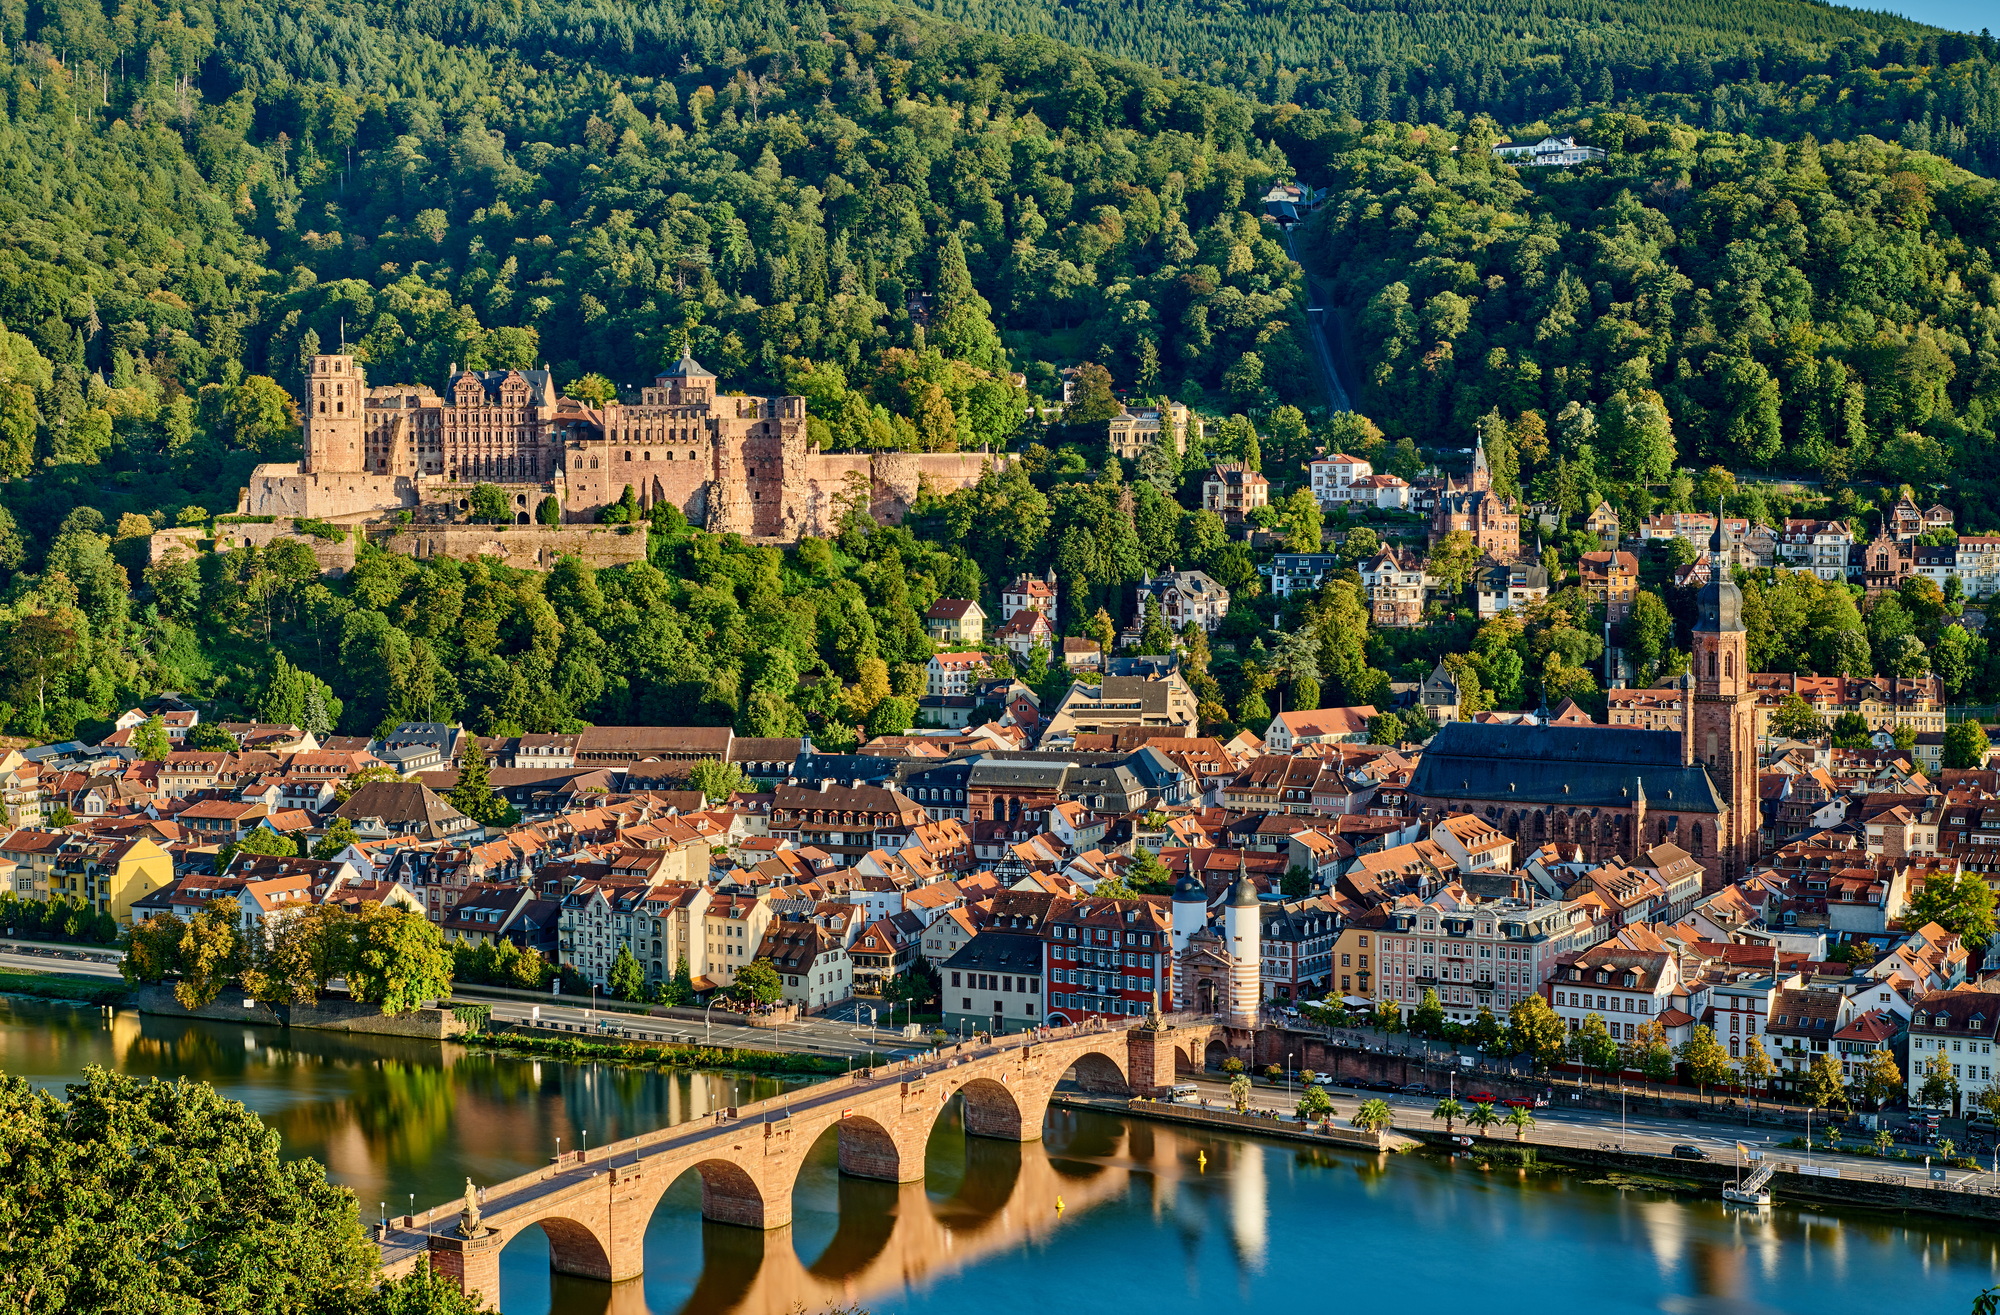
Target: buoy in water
(1202, 1160)
(1059, 1205)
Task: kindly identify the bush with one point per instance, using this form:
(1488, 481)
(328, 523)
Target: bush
(319, 529)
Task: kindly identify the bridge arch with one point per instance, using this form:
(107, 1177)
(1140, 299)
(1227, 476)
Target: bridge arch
(992, 1109)
(869, 1150)
(574, 1247)
(730, 1195)
(1100, 1071)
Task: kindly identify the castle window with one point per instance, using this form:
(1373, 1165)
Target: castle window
(628, 456)
(649, 456)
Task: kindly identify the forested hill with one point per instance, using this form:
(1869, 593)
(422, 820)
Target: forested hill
(1780, 68)
(1829, 311)
(877, 210)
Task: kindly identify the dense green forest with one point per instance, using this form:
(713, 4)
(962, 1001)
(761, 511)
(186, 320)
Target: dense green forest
(897, 218)
(1782, 68)
(1829, 311)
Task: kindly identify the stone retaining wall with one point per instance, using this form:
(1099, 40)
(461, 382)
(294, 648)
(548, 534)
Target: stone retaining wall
(331, 1014)
(1859, 1185)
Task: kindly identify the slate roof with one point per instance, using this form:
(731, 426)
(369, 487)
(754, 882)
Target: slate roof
(1600, 765)
(1000, 952)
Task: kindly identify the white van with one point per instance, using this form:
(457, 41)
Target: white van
(1183, 1093)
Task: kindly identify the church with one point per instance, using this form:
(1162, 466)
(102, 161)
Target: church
(1617, 791)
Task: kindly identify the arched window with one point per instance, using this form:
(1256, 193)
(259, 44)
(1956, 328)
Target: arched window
(1711, 661)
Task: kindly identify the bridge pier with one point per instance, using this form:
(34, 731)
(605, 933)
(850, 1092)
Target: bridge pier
(473, 1262)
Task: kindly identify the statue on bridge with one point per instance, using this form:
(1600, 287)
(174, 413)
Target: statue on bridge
(469, 1224)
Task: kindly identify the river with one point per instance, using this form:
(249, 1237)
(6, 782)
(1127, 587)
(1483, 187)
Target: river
(1260, 1226)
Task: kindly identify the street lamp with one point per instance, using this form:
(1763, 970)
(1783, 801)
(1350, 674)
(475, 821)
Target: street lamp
(586, 1143)
(1288, 1077)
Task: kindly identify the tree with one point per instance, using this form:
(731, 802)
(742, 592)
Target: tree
(1449, 1111)
(1650, 1054)
(1756, 1066)
(1592, 1045)
(211, 954)
(1296, 884)
(1314, 1103)
(1482, 1116)
(400, 961)
(1486, 1029)
(1707, 1062)
(1427, 1019)
(1850, 730)
(1881, 1080)
(717, 780)
(149, 740)
(489, 505)
(1824, 1086)
(344, 790)
(473, 794)
(1147, 875)
(1452, 562)
(1960, 902)
(422, 1291)
(1520, 1121)
(1239, 1092)
(1536, 1030)
(305, 951)
(133, 1194)
(338, 836)
(207, 737)
(757, 982)
(1154, 636)
(1939, 1088)
(1966, 744)
(548, 511)
(628, 979)
(1374, 1115)
(153, 949)
(1794, 718)
(679, 989)
(593, 388)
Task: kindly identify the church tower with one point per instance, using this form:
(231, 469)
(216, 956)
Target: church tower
(335, 419)
(1721, 718)
(1482, 474)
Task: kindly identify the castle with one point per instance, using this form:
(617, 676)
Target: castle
(733, 464)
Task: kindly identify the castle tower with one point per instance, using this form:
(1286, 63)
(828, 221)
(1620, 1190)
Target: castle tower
(1243, 930)
(1482, 474)
(1721, 718)
(335, 419)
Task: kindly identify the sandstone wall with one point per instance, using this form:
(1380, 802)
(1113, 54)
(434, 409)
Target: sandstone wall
(334, 556)
(281, 489)
(329, 1014)
(525, 547)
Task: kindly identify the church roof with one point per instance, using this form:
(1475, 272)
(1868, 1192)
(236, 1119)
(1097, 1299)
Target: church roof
(1601, 766)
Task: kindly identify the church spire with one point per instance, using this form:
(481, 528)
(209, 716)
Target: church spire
(1482, 474)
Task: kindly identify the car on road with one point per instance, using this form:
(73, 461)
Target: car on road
(1482, 1098)
(1379, 1084)
(1519, 1103)
(1415, 1089)
(1686, 1152)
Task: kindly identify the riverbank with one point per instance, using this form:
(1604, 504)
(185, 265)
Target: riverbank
(1257, 1124)
(573, 1049)
(61, 986)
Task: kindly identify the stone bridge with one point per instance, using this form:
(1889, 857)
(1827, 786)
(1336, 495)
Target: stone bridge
(595, 1206)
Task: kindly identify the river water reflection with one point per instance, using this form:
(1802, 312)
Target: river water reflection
(1259, 1226)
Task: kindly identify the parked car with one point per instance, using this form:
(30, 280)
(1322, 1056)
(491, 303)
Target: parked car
(1415, 1089)
(1685, 1152)
(1517, 1103)
(1482, 1098)
(1381, 1084)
